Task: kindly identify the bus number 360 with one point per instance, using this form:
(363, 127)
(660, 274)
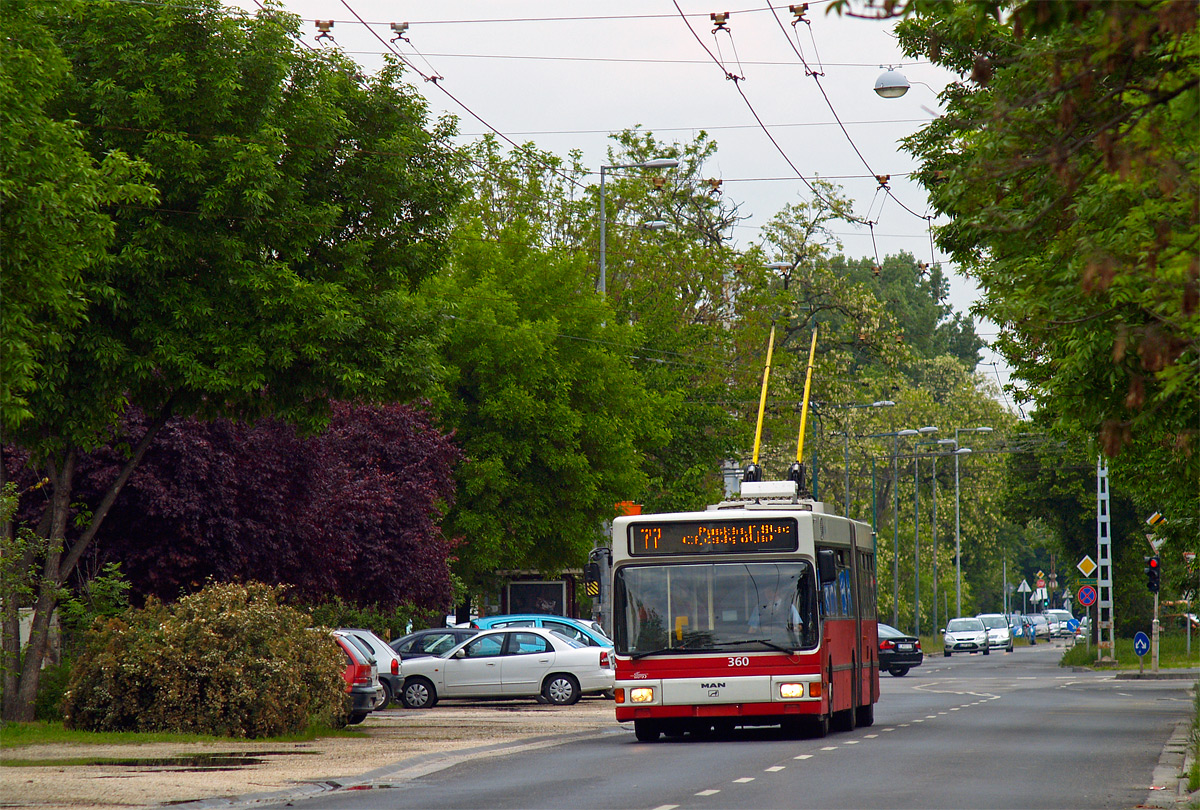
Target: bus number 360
(739, 661)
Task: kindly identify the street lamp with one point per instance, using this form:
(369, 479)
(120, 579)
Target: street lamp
(895, 437)
(957, 536)
(880, 403)
(942, 443)
(891, 84)
(656, 163)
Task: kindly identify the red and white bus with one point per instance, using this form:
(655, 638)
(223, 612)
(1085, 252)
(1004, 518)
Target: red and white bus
(757, 611)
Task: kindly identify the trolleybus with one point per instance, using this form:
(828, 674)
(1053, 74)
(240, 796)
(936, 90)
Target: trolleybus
(758, 611)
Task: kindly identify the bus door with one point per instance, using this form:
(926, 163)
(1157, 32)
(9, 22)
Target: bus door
(859, 638)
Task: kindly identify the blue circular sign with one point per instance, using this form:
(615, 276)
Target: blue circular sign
(1141, 644)
(1087, 595)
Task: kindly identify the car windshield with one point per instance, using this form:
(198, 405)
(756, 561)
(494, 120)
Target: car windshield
(992, 622)
(715, 606)
(963, 625)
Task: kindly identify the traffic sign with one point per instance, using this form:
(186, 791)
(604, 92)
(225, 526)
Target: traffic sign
(1086, 566)
(1141, 644)
(1023, 587)
(1087, 595)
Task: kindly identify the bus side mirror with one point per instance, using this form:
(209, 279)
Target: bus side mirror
(826, 565)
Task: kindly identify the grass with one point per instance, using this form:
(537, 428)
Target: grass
(1172, 654)
(15, 735)
(1194, 745)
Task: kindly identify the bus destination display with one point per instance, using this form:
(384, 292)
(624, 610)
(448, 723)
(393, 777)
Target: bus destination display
(712, 536)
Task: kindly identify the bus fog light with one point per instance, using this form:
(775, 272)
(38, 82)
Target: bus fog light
(791, 690)
(643, 694)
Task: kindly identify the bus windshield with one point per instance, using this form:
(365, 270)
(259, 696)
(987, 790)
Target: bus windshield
(714, 606)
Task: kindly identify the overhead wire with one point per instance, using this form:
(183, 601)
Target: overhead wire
(816, 77)
(737, 85)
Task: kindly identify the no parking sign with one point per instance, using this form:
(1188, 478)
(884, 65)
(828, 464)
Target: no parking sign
(1087, 595)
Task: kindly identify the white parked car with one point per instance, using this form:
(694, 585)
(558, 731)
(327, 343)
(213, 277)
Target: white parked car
(510, 662)
(1060, 623)
(965, 635)
(1000, 636)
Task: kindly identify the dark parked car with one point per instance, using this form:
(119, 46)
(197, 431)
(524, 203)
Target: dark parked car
(363, 690)
(898, 652)
(434, 641)
(387, 661)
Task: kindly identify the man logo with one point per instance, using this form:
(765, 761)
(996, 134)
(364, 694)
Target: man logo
(717, 685)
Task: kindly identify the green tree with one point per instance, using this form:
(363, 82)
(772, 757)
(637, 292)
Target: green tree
(1067, 162)
(551, 417)
(52, 191)
(298, 202)
(695, 302)
(916, 295)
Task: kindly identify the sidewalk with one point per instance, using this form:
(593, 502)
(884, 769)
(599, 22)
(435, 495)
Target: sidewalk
(399, 743)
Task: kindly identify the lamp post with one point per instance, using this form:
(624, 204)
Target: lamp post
(656, 163)
(942, 443)
(895, 437)
(961, 451)
(925, 431)
(845, 434)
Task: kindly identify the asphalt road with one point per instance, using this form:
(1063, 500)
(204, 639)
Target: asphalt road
(999, 731)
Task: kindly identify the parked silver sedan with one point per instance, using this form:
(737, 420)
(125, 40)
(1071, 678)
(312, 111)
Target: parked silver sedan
(965, 635)
(511, 662)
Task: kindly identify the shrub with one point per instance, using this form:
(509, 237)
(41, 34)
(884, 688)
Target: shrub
(229, 660)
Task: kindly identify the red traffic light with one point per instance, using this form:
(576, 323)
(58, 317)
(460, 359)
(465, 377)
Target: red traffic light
(1153, 562)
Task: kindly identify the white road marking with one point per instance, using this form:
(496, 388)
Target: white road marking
(708, 793)
(803, 756)
(743, 780)
(873, 736)
(829, 748)
(775, 768)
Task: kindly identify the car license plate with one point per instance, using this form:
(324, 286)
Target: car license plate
(903, 646)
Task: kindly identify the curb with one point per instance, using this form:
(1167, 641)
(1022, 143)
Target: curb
(1170, 779)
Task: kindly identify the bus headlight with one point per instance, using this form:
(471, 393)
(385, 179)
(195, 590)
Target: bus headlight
(791, 690)
(642, 694)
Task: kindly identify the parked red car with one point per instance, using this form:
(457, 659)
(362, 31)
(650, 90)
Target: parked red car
(363, 690)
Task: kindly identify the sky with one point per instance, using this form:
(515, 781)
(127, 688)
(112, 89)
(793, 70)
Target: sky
(566, 75)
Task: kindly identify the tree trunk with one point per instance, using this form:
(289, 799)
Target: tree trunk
(10, 616)
(57, 570)
(21, 708)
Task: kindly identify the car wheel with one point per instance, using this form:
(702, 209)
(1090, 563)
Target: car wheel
(561, 689)
(898, 672)
(418, 694)
(356, 717)
(387, 695)
(646, 730)
(946, 653)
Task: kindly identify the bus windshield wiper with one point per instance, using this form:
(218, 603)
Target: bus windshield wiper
(665, 651)
(763, 641)
(713, 646)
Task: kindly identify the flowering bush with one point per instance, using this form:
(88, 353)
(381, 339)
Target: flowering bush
(229, 660)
